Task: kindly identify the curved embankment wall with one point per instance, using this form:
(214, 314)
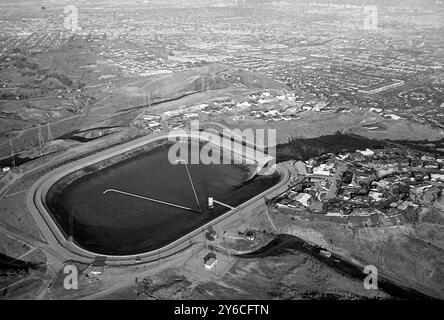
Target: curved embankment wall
(68, 250)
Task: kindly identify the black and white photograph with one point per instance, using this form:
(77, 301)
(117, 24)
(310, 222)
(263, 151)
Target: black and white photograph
(222, 158)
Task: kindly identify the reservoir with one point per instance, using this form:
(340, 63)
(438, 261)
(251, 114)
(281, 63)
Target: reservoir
(118, 224)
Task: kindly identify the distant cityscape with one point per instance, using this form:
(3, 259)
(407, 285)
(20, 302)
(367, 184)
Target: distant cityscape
(392, 72)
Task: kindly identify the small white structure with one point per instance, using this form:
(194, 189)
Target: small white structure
(243, 105)
(334, 214)
(321, 171)
(378, 110)
(210, 203)
(303, 198)
(376, 196)
(437, 176)
(366, 152)
(210, 263)
(392, 116)
(6, 169)
(153, 124)
(96, 271)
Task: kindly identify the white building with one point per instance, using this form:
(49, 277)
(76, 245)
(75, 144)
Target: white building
(210, 263)
(366, 152)
(321, 171)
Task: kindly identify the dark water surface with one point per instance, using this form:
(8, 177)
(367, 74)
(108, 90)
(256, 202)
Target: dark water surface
(118, 224)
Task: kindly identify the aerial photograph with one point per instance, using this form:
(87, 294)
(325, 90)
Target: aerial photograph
(245, 151)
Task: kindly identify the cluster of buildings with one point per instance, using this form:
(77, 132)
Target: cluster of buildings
(386, 186)
(283, 107)
(263, 105)
(178, 118)
(135, 62)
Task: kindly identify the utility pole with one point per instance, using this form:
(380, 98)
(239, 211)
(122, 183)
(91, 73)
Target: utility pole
(40, 137)
(191, 245)
(12, 154)
(50, 137)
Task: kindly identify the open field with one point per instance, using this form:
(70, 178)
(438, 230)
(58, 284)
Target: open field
(398, 251)
(292, 275)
